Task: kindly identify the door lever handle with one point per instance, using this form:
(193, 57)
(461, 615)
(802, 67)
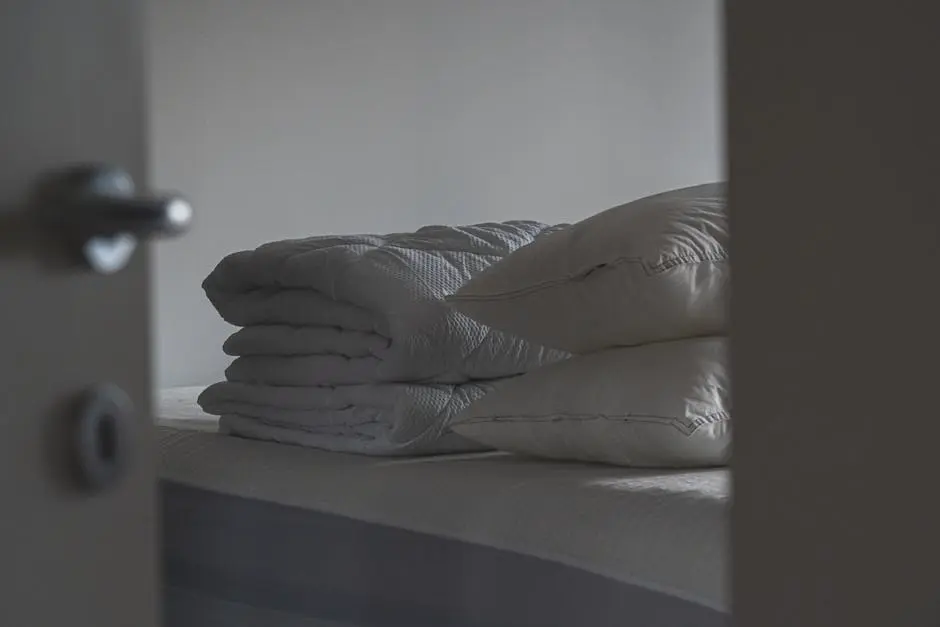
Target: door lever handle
(98, 210)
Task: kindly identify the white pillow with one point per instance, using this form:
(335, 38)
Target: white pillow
(653, 269)
(662, 405)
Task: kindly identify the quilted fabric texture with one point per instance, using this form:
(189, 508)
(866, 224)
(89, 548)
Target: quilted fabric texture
(653, 269)
(349, 345)
(658, 405)
(379, 419)
(376, 305)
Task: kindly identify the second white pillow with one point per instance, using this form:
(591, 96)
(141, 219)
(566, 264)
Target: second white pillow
(653, 269)
(658, 405)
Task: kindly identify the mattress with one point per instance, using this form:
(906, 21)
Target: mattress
(259, 533)
(177, 408)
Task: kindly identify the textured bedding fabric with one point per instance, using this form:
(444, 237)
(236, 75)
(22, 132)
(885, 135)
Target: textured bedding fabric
(443, 540)
(377, 419)
(372, 306)
(651, 270)
(665, 404)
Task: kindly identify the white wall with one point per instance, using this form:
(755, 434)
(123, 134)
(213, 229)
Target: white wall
(287, 118)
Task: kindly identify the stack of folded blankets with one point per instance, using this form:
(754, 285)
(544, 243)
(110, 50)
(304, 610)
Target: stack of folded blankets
(347, 343)
(638, 294)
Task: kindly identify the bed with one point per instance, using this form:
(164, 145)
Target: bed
(265, 534)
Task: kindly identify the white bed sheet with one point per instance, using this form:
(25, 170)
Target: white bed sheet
(177, 408)
(665, 530)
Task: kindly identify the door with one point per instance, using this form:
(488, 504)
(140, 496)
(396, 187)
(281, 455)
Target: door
(833, 139)
(71, 91)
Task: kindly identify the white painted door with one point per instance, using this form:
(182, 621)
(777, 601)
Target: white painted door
(72, 552)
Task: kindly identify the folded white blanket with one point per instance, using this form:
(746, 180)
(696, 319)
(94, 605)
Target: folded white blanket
(374, 307)
(381, 419)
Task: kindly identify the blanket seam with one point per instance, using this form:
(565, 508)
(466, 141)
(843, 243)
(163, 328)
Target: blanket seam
(684, 425)
(651, 270)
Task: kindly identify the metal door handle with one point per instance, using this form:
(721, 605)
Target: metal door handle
(97, 208)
